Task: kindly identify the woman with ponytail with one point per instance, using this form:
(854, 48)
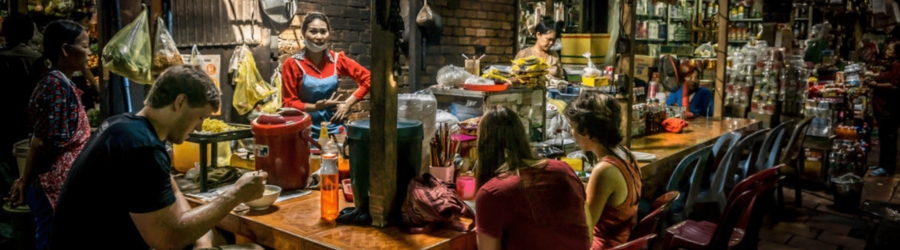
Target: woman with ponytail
(58, 123)
(615, 185)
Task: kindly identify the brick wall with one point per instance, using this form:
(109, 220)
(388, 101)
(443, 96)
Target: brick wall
(467, 24)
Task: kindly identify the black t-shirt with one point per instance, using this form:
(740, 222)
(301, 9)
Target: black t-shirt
(123, 169)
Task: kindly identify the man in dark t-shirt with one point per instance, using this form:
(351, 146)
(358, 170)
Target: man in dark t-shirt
(120, 185)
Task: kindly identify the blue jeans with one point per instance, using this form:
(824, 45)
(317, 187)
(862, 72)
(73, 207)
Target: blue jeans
(43, 213)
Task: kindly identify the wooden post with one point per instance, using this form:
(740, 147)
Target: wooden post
(721, 60)
(630, 12)
(383, 119)
(416, 47)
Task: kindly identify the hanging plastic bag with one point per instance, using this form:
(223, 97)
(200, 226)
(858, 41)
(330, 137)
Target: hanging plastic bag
(425, 18)
(250, 88)
(165, 52)
(195, 58)
(273, 102)
(128, 52)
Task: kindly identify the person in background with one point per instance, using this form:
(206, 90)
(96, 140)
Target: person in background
(19, 77)
(127, 161)
(615, 184)
(887, 109)
(311, 77)
(84, 78)
(58, 122)
(524, 202)
(546, 33)
(700, 98)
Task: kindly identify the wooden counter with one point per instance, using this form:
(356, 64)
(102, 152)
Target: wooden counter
(670, 148)
(295, 224)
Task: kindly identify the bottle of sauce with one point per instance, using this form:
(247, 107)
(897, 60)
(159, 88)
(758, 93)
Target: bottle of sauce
(315, 160)
(343, 161)
(329, 187)
(323, 134)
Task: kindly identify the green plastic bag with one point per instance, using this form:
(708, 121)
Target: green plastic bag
(128, 52)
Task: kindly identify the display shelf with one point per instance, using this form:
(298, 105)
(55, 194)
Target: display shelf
(747, 20)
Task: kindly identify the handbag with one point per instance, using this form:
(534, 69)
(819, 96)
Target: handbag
(429, 204)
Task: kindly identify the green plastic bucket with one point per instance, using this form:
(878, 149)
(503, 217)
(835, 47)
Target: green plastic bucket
(409, 159)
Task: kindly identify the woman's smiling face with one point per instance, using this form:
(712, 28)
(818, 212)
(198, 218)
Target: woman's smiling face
(317, 32)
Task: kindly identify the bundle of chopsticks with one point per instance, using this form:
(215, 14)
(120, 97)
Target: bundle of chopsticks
(443, 148)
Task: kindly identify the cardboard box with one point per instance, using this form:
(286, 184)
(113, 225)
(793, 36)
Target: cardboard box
(574, 46)
(642, 66)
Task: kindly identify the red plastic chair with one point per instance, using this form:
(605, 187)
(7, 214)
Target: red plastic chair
(730, 229)
(639, 243)
(649, 223)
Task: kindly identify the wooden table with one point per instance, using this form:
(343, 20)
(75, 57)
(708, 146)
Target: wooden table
(670, 148)
(295, 224)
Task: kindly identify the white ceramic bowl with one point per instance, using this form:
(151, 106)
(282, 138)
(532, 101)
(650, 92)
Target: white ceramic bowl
(269, 197)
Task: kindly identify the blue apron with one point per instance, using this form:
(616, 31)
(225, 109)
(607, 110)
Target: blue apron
(315, 89)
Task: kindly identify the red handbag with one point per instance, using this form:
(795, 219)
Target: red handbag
(430, 204)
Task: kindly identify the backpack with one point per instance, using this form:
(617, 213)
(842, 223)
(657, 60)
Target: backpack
(429, 204)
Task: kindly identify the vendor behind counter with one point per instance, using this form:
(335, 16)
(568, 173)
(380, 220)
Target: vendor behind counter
(546, 32)
(699, 99)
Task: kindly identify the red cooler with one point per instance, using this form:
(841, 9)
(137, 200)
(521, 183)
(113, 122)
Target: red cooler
(282, 148)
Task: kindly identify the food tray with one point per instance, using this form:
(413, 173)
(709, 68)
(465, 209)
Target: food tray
(486, 88)
(242, 132)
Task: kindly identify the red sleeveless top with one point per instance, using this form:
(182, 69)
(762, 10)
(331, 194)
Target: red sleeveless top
(615, 223)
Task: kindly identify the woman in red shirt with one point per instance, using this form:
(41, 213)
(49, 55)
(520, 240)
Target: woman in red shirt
(524, 202)
(615, 185)
(311, 77)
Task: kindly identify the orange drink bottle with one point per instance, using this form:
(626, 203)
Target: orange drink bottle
(330, 187)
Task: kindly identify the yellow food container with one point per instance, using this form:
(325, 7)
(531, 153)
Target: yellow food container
(575, 163)
(588, 81)
(241, 162)
(187, 153)
(595, 81)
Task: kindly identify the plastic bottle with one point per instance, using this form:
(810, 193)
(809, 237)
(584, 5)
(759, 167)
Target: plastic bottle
(329, 187)
(323, 134)
(343, 161)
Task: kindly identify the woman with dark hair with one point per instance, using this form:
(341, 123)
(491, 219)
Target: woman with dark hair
(615, 184)
(887, 109)
(524, 202)
(311, 77)
(58, 124)
(546, 32)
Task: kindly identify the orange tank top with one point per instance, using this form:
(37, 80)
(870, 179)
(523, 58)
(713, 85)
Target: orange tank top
(615, 223)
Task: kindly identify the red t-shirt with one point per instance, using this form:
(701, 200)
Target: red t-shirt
(537, 209)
